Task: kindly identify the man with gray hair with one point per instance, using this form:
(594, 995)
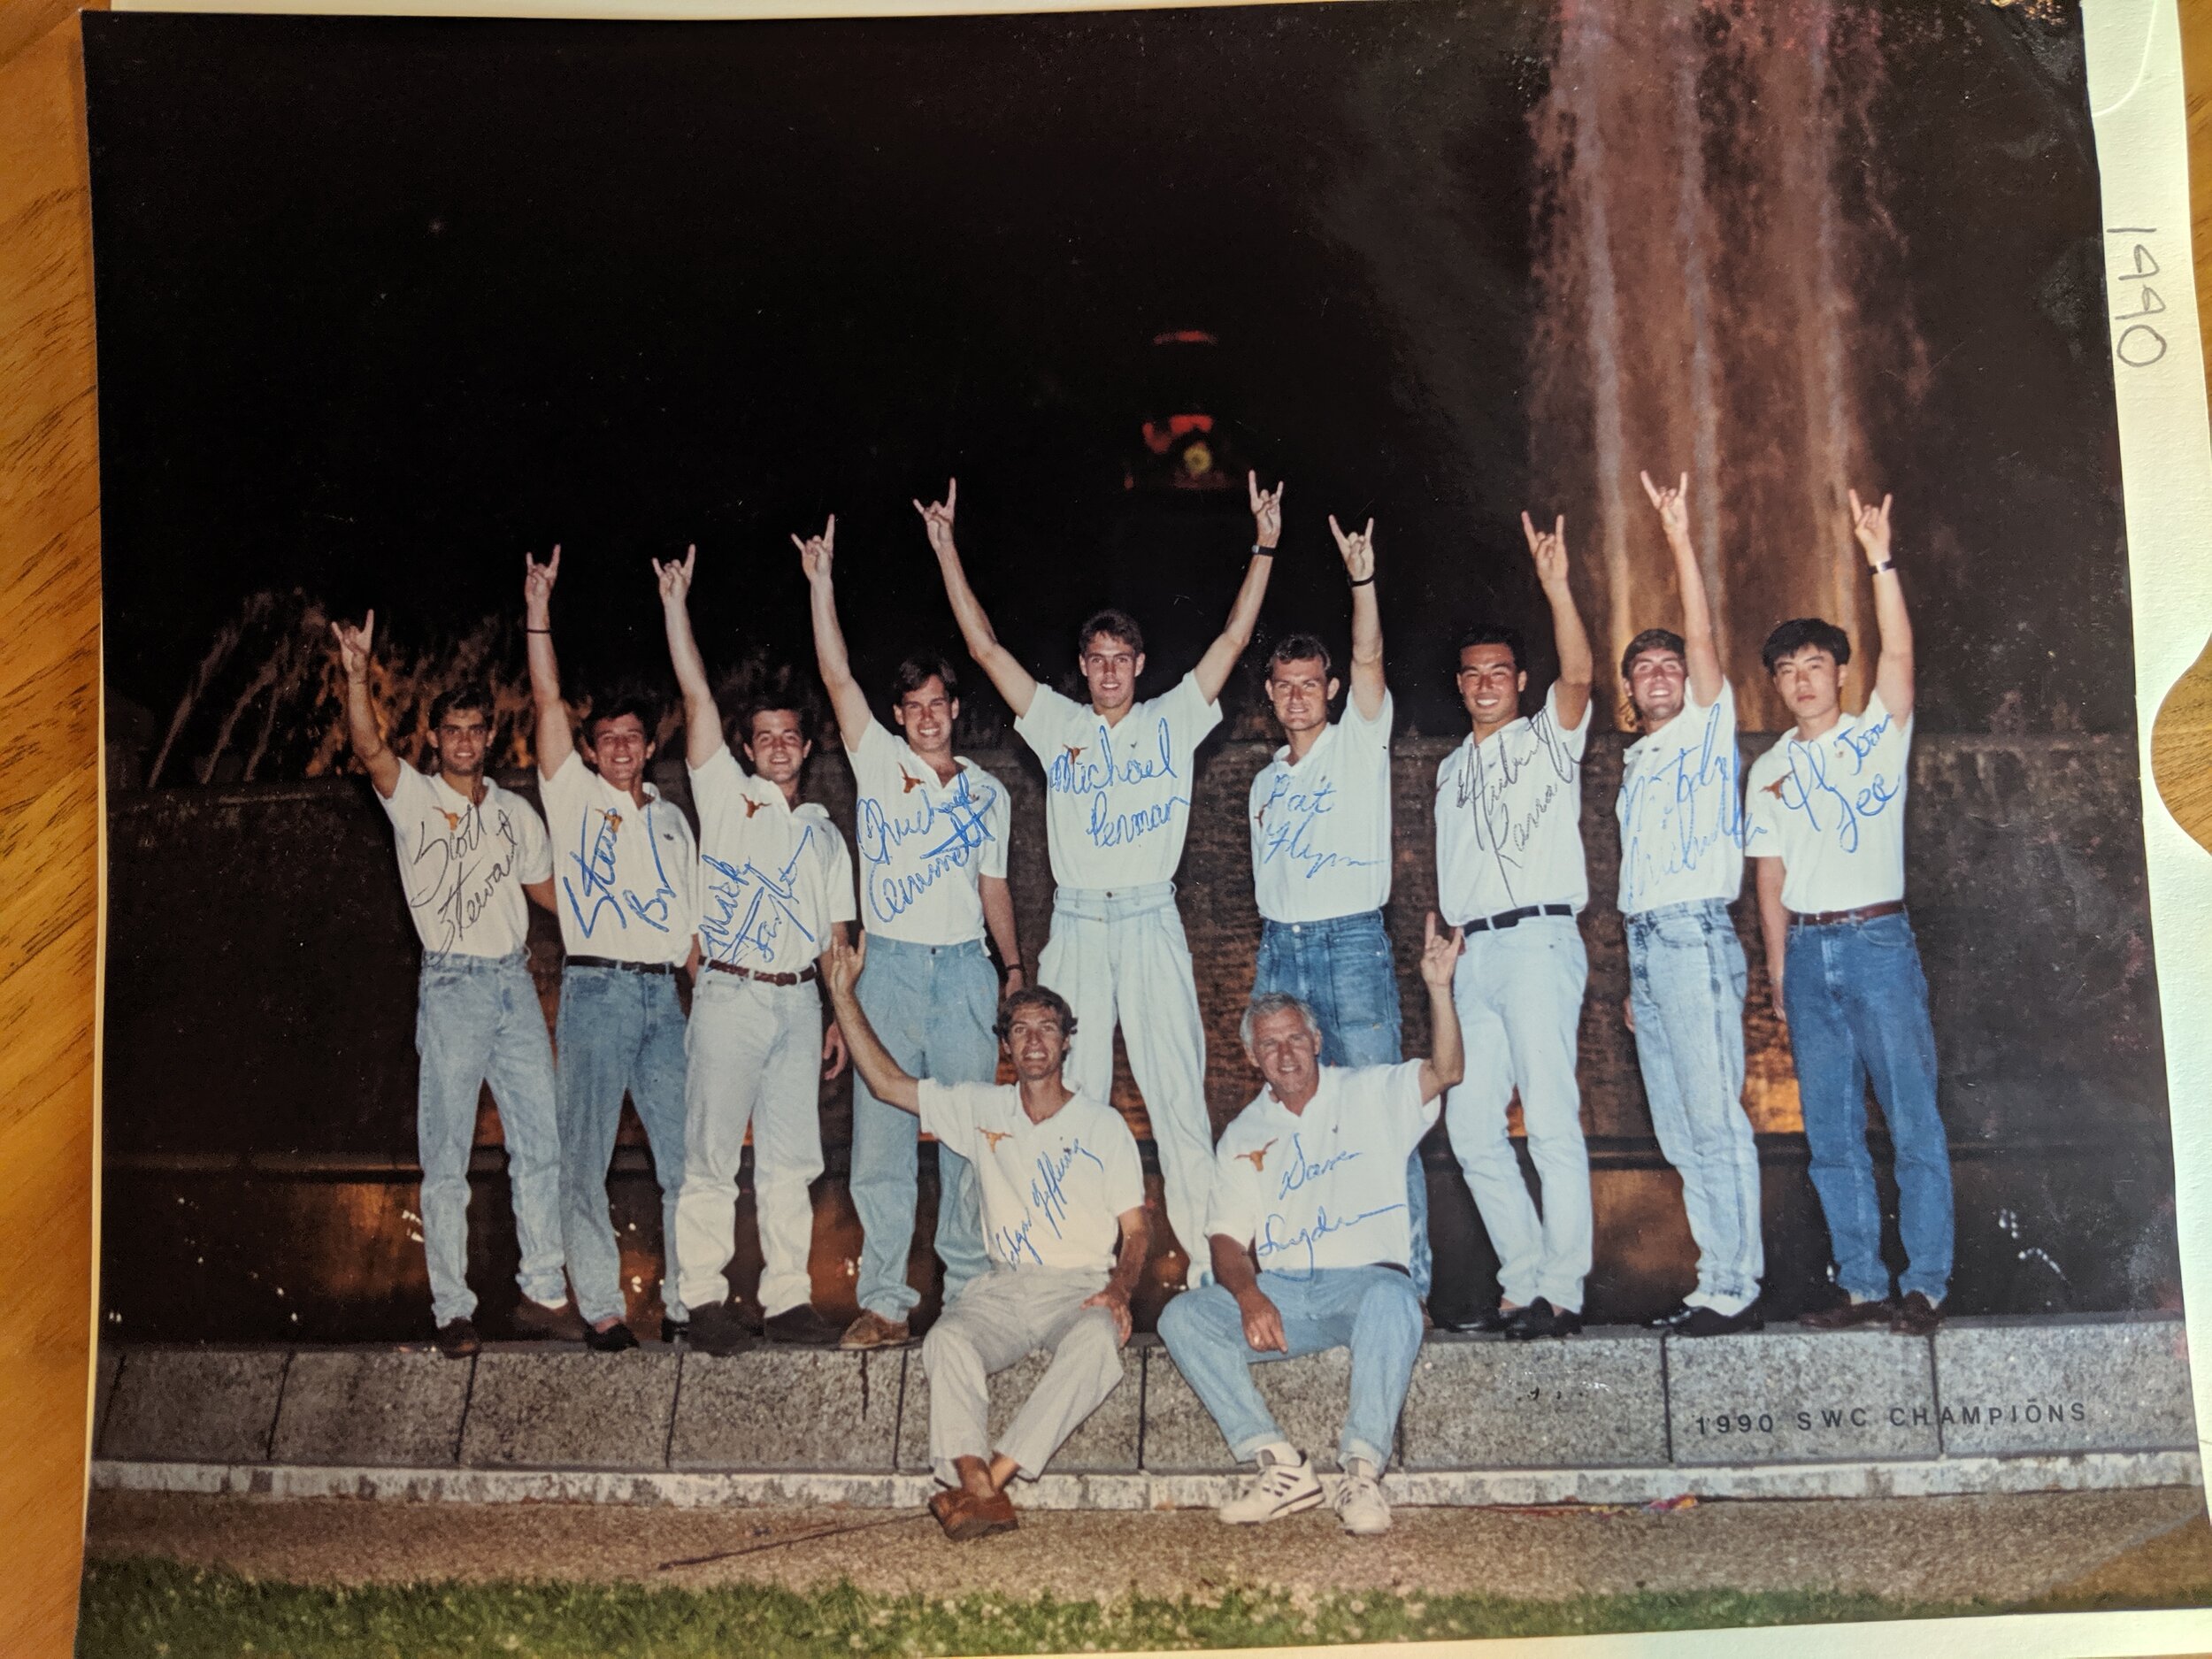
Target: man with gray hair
(1310, 1236)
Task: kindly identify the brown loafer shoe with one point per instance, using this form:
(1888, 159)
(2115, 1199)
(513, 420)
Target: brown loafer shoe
(873, 1330)
(457, 1340)
(1847, 1313)
(966, 1517)
(1916, 1315)
(563, 1324)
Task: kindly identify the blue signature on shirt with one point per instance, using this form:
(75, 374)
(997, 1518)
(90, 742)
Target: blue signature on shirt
(1071, 774)
(1679, 811)
(960, 823)
(458, 884)
(595, 866)
(1274, 1242)
(1048, 1202)
(1286, 822)
(1487, 791)
(748, 908)
(1302, 1170)
(1809, 789)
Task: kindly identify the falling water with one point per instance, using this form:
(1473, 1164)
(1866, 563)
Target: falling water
(1698, 254)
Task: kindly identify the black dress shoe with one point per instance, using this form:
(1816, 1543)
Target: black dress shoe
(1487, 1322)
(675, 1329)
(1539, 1319)
(616, 1339)
(719, 1330)
(1712, 1322)
(1670, 1320)
(802, 1327)
(457, 1340)
(1847, 1314)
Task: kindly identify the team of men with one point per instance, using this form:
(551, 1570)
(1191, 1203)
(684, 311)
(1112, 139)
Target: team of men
(1305, 1228)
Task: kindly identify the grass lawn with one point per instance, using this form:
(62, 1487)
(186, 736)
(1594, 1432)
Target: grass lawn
(157, 1607)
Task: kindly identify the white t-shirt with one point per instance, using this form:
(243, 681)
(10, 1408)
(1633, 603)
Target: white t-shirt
(628, 876)
(1833, 811)
(772, 879)
(1681, 810)
(1052, 1193)
(1321, 827)
(1323, 1188)
(1508, 818)
(463, 863)
(1118, 797)
(925, 845)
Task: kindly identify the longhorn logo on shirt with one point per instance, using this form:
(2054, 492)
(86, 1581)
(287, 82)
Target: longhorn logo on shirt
(1074, 753)
(912, 784)
(1775, 789)
(614, 823)
(452, 820)
(751, 806)
(1258, 1156)
(991, 1136)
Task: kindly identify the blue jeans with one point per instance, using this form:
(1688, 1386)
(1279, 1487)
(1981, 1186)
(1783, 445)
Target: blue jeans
(933, 1006)
(1372, 1310)
(1858, 1010)
(477, 1020)
(1686, 976)
(1342, 970)
(617, 1032)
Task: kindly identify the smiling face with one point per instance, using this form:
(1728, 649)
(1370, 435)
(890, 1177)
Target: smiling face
(1287, 1054)
(1300, 691)
(619, 748)
(778, 748)
(1111, 667)
(461, 741)
(1490, 687)
(1034, 1042)
(1811, 684)
(1656, 679)
(926, 715)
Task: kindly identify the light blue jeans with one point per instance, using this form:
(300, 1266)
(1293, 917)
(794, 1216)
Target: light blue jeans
(477, 1020)
(618, 1032)
(1342, 970)
(932, 1007)
(1371, 1310)
(1858, 1010)
(1686, 976)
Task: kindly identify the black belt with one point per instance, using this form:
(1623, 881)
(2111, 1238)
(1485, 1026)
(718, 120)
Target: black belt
(1514, 918)
(622, 967)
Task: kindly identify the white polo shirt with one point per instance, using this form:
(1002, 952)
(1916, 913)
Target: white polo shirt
(1321, 826)
(1323, 1188)
(1681, 810)
(1833, 811)
(627, 875)
(772, 879)
(1118, 797)
(925, 845)
(463, 863)
(1508, 818)
(1052, 1193)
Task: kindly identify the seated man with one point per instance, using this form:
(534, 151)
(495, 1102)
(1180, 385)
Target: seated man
(1310, 1238)
(1057, 1175)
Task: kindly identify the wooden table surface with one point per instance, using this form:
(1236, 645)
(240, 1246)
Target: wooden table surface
(49, 780)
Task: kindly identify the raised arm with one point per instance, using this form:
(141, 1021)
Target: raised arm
(998, 662)
(1367, 657)
(368, 743)
(703, 721)
(841, 971)
(845, 695)
(1892, 675)
(1700, 653)
(1549, 548)
(1220, 660)
(1439, 954)
(555, 742)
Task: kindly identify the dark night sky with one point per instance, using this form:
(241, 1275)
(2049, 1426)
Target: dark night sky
(382, 303)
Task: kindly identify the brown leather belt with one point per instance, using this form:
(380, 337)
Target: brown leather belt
(800, 978)
(1836, 919)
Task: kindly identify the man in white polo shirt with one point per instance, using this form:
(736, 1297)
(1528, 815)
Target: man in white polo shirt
(626, 874)
(1681, 816)
(1062, 1202)
(1117, 780)
(1825, 810)
(933, 832)
(468, 849)
(1509, 870)
(1309, 1237)
(1320, 820)
(775, 885)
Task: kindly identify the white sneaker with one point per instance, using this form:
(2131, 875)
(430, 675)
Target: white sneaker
(1277, 1490)
(1359, 1501)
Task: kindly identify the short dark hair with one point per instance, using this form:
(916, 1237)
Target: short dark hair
(918, 670)
(1035, 996)
(470, 695)
(1114, 624)
(634, 703)
(1653, 640)
(796, 706)
(1299, 648)
(1803, 632)
(1494, 634)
